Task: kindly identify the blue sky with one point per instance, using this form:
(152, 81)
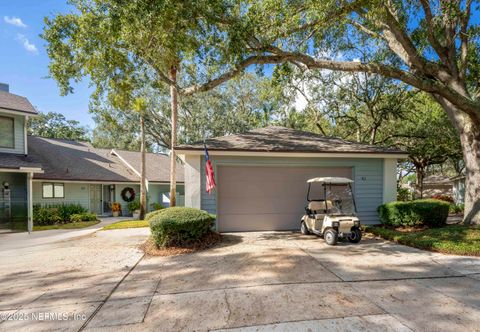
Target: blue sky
(24, 61)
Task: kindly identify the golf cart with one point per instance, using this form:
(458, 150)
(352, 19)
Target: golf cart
(331, 211)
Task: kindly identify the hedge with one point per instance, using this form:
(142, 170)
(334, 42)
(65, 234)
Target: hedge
(56, 214)
(83, 217)
(178, 226)
(152, 214)
(428, 212)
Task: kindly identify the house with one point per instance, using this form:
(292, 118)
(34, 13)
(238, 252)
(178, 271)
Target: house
(435, 185)
(76, 172)
(261, 176)
(36, 170)
(17, 168)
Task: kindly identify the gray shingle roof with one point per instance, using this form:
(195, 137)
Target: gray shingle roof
(16, 161)
(80, 161)
(17, 103)
(281, 139)
(157, 165)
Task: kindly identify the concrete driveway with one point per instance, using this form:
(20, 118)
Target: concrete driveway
(252, 282)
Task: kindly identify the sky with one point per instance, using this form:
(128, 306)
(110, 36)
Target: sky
(24, 61)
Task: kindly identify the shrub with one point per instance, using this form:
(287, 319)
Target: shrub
(56, 214)
(428, 212)
(156, 206)
(445, 198)
(180, 226)
(457, 208)
(133, 206)
(152, 214)
(403, 194)
(75, 218)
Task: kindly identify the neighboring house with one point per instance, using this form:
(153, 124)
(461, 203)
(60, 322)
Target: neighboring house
(458, 192)
(435, 185)
(261, 176)
(35, 170)
(76, 172)
(16, 166)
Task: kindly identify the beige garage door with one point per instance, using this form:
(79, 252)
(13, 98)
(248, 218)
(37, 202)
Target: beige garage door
(265, 198)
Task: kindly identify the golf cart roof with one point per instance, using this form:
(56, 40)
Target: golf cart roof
(330, 179)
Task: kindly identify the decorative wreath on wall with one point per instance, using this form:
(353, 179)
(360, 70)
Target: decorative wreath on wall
(128, 194)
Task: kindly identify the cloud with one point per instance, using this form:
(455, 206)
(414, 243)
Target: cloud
(16, 21)
(30, 47)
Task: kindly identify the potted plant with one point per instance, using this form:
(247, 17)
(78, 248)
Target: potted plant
(116, 209)
(134, 208)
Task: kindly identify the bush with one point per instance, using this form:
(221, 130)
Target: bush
(178, 226)
(83, 217)
(152, 214)
(403, 194)
(46, 215)
(75, 218)
(157, 206)
(457, 208)
(445, 198)
(133, 206)
(56, 214)
(428, 212)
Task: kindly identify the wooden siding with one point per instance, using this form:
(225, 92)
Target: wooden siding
(367, 172)
(75, 193)
(19, 123)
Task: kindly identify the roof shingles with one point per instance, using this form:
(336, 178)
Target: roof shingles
(281, 139)
(12, 102)
(80, 161)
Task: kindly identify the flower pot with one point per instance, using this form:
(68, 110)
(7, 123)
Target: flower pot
(136, 214)
(115, 213)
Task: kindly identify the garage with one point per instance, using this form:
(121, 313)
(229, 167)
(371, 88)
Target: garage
(265, 198)
(261, 176)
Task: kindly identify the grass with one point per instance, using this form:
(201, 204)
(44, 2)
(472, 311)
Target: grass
(22, 226)
(128, 224)
(452, 239)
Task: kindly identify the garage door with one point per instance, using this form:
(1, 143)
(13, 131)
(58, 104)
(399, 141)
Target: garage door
(265, 198)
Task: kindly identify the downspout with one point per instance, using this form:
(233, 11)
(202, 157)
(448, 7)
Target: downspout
(25, 128)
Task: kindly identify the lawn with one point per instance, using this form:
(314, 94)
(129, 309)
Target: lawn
(22, 226)
(127, 224)
(452, 239)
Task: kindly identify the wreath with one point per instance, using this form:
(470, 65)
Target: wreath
(128, 194)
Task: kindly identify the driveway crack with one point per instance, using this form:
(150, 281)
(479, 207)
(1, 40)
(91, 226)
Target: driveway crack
(228, 305)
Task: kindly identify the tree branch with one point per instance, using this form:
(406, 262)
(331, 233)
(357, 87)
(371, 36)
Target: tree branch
(240, 67)
(430, 32)
(464, 40)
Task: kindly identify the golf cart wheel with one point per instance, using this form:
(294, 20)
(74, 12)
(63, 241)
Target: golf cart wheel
(304, 229)
(331, 237)
(355, 236)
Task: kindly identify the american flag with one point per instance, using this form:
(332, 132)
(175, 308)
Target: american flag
(209, 172)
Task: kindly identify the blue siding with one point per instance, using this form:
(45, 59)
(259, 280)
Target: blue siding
(19, 133)
(368, 176)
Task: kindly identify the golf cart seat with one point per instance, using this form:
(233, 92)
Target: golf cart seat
(317, 207)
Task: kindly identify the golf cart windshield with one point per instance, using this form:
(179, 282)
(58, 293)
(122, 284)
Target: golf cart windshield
(335, 193)
(341, 199)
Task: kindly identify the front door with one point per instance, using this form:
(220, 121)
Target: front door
(96, 198)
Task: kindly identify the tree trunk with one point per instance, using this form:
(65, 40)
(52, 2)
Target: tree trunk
(469, 130)
(173, 158)
(420, 175)
(470, 139)
(143, 182)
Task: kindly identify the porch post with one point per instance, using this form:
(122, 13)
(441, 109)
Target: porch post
(30, 201)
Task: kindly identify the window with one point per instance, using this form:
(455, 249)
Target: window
(7, 133)
(53, 190)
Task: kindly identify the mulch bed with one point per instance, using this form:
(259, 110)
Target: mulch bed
(208, 241)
